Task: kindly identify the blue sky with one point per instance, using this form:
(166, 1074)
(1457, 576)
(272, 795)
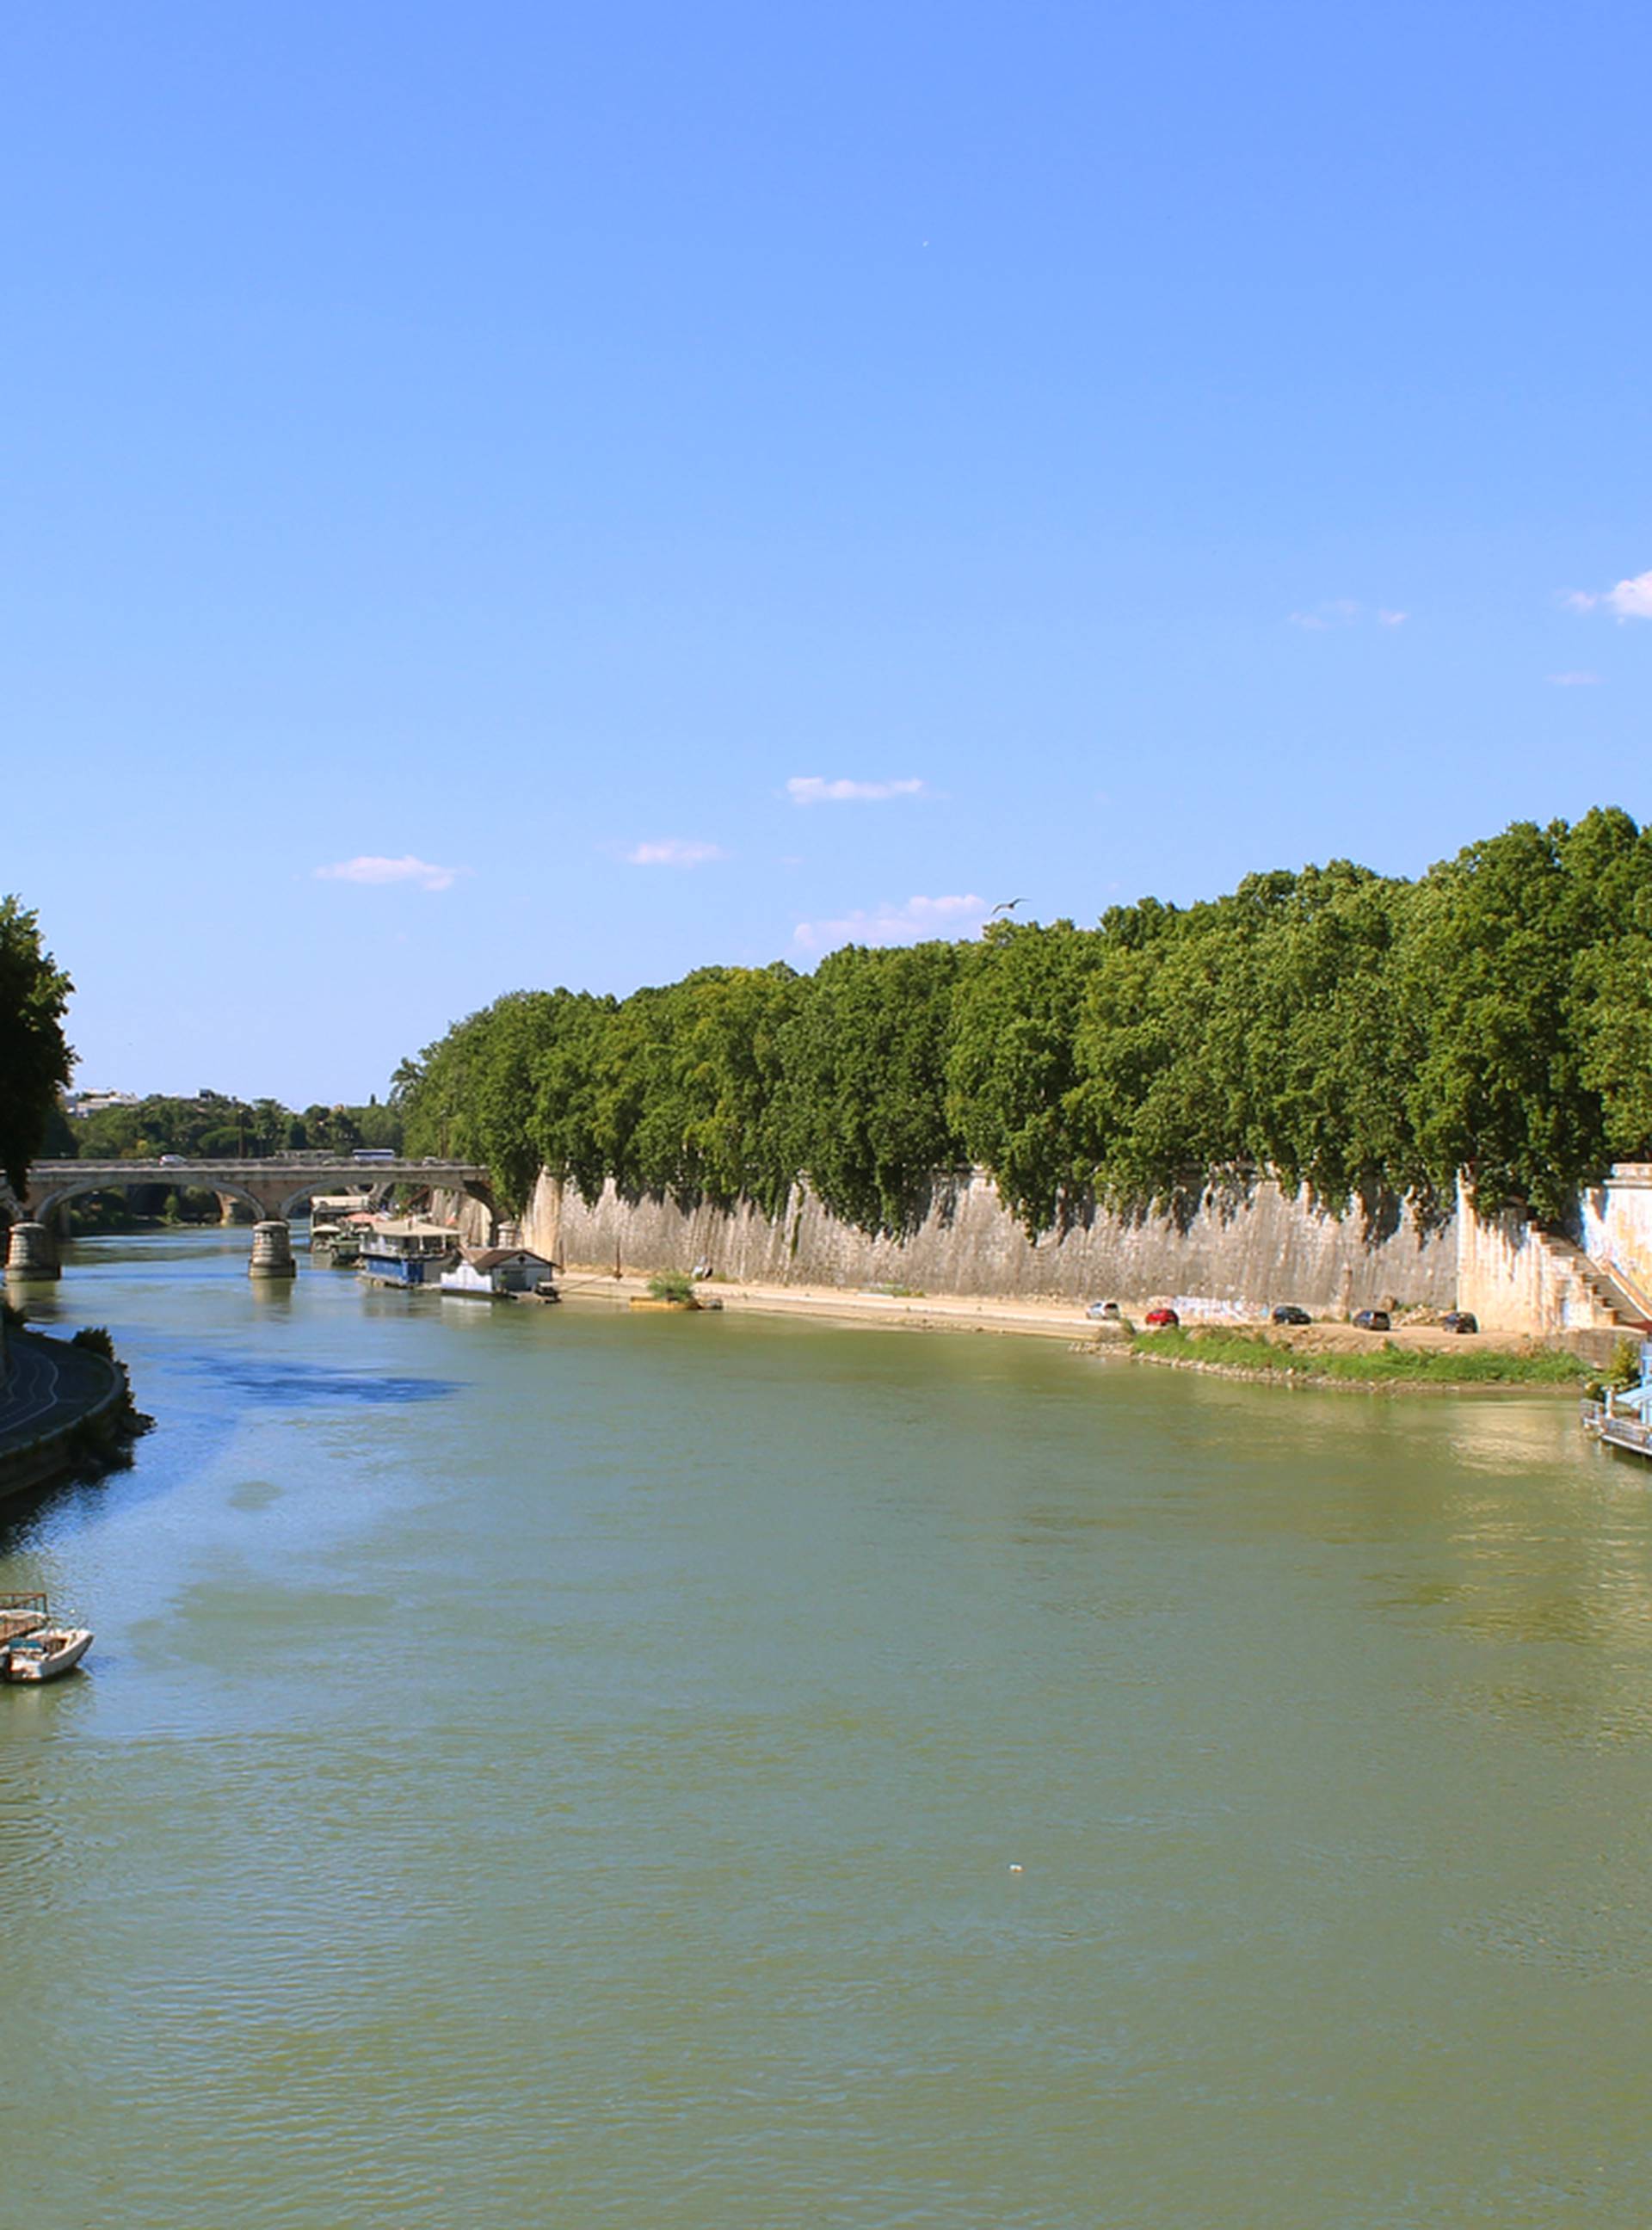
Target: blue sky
(635, 487)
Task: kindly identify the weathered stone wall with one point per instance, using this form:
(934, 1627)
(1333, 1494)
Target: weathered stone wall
(1617, 1220)
(476, 1224)
(1244, 1250)
(1511, 1281)
(1518, 1279)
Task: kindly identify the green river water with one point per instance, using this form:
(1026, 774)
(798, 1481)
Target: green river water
(546, 1767)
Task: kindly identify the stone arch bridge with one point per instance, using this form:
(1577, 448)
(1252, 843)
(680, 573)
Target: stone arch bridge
(274, 1188)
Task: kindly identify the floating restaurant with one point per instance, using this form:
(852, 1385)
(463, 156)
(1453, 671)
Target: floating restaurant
(408, 1254)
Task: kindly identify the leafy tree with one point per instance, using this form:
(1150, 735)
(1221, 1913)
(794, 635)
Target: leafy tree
(1486, 969)
(36, 1063)
(472, 1099)
(1012, 1073)
(567, 1136)
(1147, 1094)
(864, 1089)
(1611, 989)
(1323, 1044)
(706, 1067)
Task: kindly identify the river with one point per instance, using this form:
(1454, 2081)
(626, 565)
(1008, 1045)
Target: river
(546, 1767)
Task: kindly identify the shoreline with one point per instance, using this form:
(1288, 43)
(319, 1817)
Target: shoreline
(1066, 1320)
(913, 1312)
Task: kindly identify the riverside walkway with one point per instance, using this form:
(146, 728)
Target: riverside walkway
(50, 1387)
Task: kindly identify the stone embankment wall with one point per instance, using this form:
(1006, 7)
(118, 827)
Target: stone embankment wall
(1616, 1220)
(1586, 1291)
(1245, 1251)
(1515, 1279)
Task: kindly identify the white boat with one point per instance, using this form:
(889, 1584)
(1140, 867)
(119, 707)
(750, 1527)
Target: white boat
(31, 1648)
(46, 1654)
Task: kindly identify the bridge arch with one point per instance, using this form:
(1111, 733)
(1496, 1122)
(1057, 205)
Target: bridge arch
(60, 1194)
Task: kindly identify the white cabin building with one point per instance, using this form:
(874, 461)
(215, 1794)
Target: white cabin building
(486, 1273)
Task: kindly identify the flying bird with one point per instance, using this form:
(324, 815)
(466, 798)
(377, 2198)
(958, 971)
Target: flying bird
(1004, 906)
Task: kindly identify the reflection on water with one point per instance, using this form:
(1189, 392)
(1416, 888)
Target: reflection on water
(549, 1767)
(301, 1385)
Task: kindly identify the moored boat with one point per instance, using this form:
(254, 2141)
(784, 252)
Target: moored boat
(46, 1654)
(405, 1252)
(32, 1649)
(335, 1227)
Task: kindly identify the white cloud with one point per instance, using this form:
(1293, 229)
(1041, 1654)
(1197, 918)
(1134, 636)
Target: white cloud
(814, 789)
(674, 852)
(1629, 600)
(896, 924)
(369, 868)
(1574, 681)
(1343, 611)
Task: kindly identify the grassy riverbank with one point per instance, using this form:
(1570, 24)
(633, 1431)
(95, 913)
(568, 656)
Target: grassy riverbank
(1255, 1355)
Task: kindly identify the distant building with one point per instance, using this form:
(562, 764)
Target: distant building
(77, 1104)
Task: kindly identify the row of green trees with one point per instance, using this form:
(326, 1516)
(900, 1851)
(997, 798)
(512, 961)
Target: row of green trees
(1362, 1034)
(215, 1124)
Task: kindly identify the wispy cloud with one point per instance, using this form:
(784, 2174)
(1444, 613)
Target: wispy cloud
(1575, 681)
(370, 867)
(896, 924)
(815, 790)
(674, 852)
(1344, 611)
(1629, 600)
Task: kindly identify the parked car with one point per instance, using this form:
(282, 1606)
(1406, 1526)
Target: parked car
(1460, 1320)
(1161, 1319)
(1373, 1320)
(1108, 1310)
(1287, 1312)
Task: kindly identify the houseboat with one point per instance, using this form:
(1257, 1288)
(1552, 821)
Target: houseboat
(333, 1232)
(406, 1253)
(493, 1273)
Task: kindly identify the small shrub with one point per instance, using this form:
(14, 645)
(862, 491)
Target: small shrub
(671, 1285)
(1625, 1369)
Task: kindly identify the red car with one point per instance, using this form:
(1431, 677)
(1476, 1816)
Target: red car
(1161, 1319)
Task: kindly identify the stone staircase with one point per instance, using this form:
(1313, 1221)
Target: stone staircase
(1598, 1306)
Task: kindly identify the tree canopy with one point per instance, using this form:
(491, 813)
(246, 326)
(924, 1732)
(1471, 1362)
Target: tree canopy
(1362, 1035)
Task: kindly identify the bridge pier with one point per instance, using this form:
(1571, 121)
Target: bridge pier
(272, 1250)
(31, 1251)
